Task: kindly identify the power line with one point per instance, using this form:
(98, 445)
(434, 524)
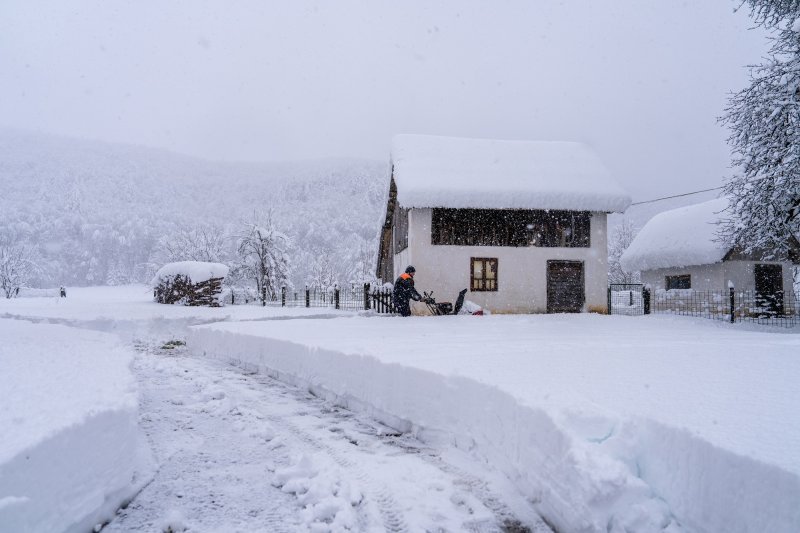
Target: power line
(675, 196)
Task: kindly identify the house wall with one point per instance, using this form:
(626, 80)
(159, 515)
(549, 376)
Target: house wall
(522, 272)
(715, 277)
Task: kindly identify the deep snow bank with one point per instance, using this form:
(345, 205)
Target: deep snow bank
(601, 439)
(70, 451)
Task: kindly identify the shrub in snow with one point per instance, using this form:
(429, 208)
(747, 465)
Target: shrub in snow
(190, 283)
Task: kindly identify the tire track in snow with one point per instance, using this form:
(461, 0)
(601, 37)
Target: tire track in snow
(359, 449)
(374, 490)
(506, 519)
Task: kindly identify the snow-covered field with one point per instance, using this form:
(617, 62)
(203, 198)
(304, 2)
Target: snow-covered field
(602, 423)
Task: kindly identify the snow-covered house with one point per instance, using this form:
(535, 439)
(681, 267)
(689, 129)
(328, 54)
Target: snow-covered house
(679, 249)
(521, 224)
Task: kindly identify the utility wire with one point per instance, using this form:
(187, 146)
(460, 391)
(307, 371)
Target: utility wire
(675, 196)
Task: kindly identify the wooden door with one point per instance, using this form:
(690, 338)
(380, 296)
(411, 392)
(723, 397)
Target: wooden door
(565, 287)
(769, 288)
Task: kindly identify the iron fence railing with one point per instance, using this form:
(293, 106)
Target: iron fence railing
(354, 297)
(776, 309)
(626, 299)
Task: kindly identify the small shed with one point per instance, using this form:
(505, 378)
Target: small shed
(680, 249)
(191, 283)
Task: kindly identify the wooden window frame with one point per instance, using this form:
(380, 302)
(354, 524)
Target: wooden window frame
(484, 284)
(677, 278)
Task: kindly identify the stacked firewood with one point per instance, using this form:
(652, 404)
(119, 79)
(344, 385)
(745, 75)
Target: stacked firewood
(181, 290)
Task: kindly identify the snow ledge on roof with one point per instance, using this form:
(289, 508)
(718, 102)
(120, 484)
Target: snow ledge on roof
(680, 237)
(452, 172)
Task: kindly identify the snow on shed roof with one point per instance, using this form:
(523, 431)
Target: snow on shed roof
(678, 238)
(433, 171)
(197, 271)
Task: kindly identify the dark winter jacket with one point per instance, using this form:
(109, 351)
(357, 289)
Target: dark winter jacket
(403, 292)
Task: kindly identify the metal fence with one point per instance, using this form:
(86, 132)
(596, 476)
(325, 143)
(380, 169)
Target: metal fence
(354, 297)
(777, 309)
(626, 299)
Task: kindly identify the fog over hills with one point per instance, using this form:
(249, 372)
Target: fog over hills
(96, 211)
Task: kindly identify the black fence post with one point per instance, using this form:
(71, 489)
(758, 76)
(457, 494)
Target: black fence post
(336, 296)
(283, 296)
(609, 301)
(308, 297)
(646, 300)
(366, 297)
(733, 306)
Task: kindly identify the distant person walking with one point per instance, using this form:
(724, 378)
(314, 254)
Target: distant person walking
(404, 291)
(63, 292)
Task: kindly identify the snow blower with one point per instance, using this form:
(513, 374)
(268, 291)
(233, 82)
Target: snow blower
(443, 308)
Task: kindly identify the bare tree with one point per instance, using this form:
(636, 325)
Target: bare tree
(17, 266)
(264, 259)
(621, 239)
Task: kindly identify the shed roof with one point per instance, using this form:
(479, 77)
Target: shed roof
(432, 171)
(678, 238)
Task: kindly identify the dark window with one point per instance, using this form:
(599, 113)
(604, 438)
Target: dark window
(683, 281)
(400, 229)
(510, 227)
(483, 274)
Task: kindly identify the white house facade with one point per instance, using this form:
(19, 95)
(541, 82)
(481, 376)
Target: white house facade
(680, 249)
(521, 225)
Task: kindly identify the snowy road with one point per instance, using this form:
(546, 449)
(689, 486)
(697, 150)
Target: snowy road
(243, 452)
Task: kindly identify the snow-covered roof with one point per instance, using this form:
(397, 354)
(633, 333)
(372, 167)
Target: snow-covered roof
(678, 238)
(433, 171)
(198, 271)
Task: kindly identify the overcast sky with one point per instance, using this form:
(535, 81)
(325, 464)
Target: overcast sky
(642, 81)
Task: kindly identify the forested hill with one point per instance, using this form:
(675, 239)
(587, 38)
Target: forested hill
(100, 213)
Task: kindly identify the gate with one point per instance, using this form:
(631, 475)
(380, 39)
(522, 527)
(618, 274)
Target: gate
(630, 299)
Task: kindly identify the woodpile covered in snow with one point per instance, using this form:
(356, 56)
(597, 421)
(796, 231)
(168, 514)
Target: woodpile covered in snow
(190, 283)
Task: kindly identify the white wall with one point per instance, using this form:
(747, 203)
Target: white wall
(522, 272)
(715, 277)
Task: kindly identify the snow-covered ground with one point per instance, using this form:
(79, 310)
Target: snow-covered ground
(600, 423)
(243, 452)
(71, 451)
(635, 423)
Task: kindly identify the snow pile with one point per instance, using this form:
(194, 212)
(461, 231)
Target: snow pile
(451, 172)
(328, 500)
(602, 423)
(196, 271)
(678, 238)
(71, 451)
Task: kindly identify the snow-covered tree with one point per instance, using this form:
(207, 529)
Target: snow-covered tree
(764, 120)
(17, 265)
(322, 272)
(363, 262)
(620, 239)
(263, 252)
(203, 242)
